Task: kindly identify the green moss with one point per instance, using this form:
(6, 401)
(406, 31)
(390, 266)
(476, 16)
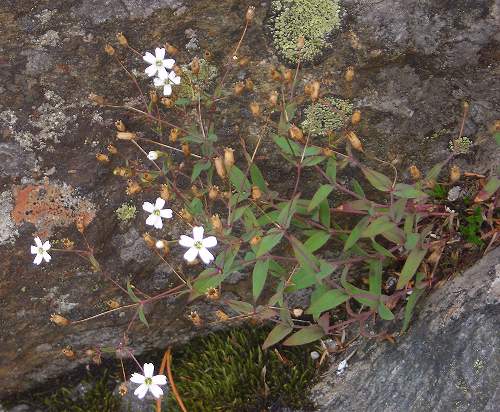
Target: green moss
(126, 212)
(224, 372)
(461, 145)
(191, 84)
(329, 114)
(312, 19)
(98, 397)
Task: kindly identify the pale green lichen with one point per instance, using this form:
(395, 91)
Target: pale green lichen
(192, 84)
(126, 212)
(312, 19)
(327, 115)
(460, 145)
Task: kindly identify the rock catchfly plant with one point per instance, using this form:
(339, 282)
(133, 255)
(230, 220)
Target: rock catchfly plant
(148, 382)
(157, 213)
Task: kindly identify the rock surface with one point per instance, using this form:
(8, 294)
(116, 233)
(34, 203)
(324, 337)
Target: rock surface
(448, 361)
(415, 61)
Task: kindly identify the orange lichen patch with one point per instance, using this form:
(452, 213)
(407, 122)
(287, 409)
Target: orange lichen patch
(48, 206)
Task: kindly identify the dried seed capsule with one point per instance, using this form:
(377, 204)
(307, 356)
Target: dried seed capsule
(276, 75)
(349, 74)
(455, 174)
(126, 135)
(249, 85)
(188, 217)
(219, 167)
(195, 66)
(195, 318)
(415, 172)
(250, 14)
(165, 193)
(122, 39)
(213, 193)
(212, 293)
(109, 49)
(216, 223)
(315, 87)
(228, 158)
(171, 50)
(112, 149)
(296, 134)
(273, 98)
(288, 76)
(255, 240)
(101, 157)
(150, 240)
(356, 117)
(239, 88)
(301, 42)
(120, 126)
(68, 352)
(59, 320)
(354, 141)
(133, 187)
(255, 109)
(256, 193)
(153, 96)
(174, 134)
(186, 150)
(222, 316)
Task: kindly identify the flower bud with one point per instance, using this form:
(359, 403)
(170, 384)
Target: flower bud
(188, 217)
(153, 155)
(120, 126)
(297, 312)
(167, 102)
(68, 352)
(276, 75)
(195, 318)
(153, 96)
(133, 187)
(349, 74)
(122, 39)
(296, 134)
(228, 158)
(174, 134)
(219, 167)
(315, 355)
(59, 320)
(186, 150)
(101, 157)
(250, 14)
(249, 84)
(112, 149)
(126, 135)
(255, 240)
(356, 117)
(354, 141)
(150, 241)
(195, 66)
(212, 293)
(171, 50)
(165, 193)
(222, 316)
(255, 109)
(415, 172)
(109, 49)
(216, 223)
(455, 174)
(239, 88)
(256, 192)
(213, 193)
(273, 98)
(288, 76)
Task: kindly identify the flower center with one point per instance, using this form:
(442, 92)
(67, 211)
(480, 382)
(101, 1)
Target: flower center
(156, 212)
(159, 62)
(148, 381)
(198, 244)
(41, 250)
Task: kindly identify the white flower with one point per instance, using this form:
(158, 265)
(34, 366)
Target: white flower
(314, 355)
(157, 213)
(153, 155)
(158, 62)
(167, 80)
(40, 250)
(342, 367)
(198, 246)
(160, 244)
(148, 382)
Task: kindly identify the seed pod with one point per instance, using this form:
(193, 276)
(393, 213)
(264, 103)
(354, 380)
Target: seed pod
(167, 102)
(80, 224)
(112, 304)
(219, 167)
(174, 134)
(239, 88)
(327, 152)
(212, 293)
(97, 99)
(188, 217)
(250, 14)
(415, 173)
(112, 149)
(349, 74)
(216, 223)
(195, 318)
(165, 193)
(455, 174)
(315, 87)
(59, 320)
(109, 49)
(177, 70)
(255, 109)
(122, 389)
(228, 158)
(195, 66)
(120, 126)
(122, 39)
(255, 240)
(186, 150)
(354, 141)
(356, 117)
(296, 134)
(273, 98)
(288, 76)
(171, 50)
(101, 157)
(126, 135)
(213, 193)
(68, 352)
(195, 191)
(256, 192)
(153, 96)
(150, 240)
(133, 187)
(249, 84)
(221, 315)
(276, 75)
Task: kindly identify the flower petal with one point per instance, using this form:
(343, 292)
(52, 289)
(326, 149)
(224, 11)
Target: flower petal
(149, 58)
(186, 241)
(167, 90)
(162, 73)
(166, 213)
(159, 203)
(46, 245)
(157, 82)
(137, 378)
(174, 78)
(205, 255)
(158, 222)
(151, 220)
(149, 370)
(141, 391)
(198, 233)
(38, 259)
(168, 63)
(151, 70)
(210, 241)
(38, 242)
(191, 254)
(160, 53)
(46, 256)
(155, 390)
(159, 380)
(148, 207)
(34, 250)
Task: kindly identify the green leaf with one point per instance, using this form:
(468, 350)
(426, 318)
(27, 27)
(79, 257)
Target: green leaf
(489, 189)
(198, 168)
(142, 317)
(326, 301)
(397, 210)
(324, 213)
(312, 160)
(259, 277)
(317, 240)
(378, 226)
(278, 333)
(382, 250)
(196, 207)
(411, 241)
(257, 178)
(131, 293)
(331, 169)
(202, 284)
(320, 195)
(268, 242)
(434, 172)
(377, 180)
(358, 189)
(240, 306)
(411, 303)
(356, 233)
(375, 277)
(306, 259)
(384, 312)
(305, 335)
(410, 267)
(408, 191)
(287, 212)
(239, 180)
(287, 146)
(496, 135)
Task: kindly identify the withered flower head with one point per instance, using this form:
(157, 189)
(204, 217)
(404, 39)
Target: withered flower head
(415, 172)
(255, 109)
(122, 39)
(120, 126)
(356, 117)
(213, 193)
(109, 49)
(59, 320)
(219, 167)
(250, 14)
(195, 318)
(216, 222)
(212, 293)
(228, 158)
(133, 187)
(102, 158)
(239, 88)
(296, 134)
(349, 74)
(126, 135)
(222, 316)
(354, 141)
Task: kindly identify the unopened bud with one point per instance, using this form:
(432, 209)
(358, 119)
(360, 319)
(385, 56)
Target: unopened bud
(296, 134)
(150, 240)
(186, 150)
(228, 158)
(165, 193)
(356, 117)
(250, 14)
(213, 193)
(249, 85)
(239, 88)
(288, 76)
(188, 217)
(101, 157)
(174, 134)
(112, 149)
(415, 173)
(59, 320)
(126, 135)
(256, 193)
(109, 49)
(167, 102)
(195, 318)
(273, 98)
(120, 126)
(297, 312)
(255, 109)
(219, 167)
(455, 174)
(354, 141)
(349, 74)
(171, 50)
(195, 66)
(122, 39)
(216, 223)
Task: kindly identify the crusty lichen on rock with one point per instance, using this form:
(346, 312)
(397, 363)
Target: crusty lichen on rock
(327, 115)
(312, 19)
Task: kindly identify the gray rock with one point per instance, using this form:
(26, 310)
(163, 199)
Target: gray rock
(448, 361)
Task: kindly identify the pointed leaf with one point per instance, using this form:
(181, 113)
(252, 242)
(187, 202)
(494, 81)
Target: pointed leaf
(320, 195)
(378, 180)
(306, 335)
(410, 267)
(327, 301)
(259, 277)
(356, 233)
(278, 333)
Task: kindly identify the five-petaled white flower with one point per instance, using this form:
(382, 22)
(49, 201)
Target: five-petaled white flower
(40, 250)
(148, 382)
(167, 80)
(198, 246)
(158, 63)
(157, 213)
(342, 367)
(153, 155)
